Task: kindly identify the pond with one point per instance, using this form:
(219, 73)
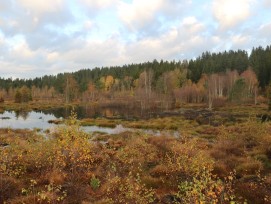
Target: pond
(26, 120)
(123, 112)
(39, 120)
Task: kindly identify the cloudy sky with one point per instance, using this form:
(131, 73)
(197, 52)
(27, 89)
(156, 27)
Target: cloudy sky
(40, 37)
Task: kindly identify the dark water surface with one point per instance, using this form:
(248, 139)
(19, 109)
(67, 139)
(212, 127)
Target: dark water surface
(125, 112)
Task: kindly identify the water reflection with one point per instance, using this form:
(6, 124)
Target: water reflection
(118, 129)
(26, 120)
(23, 114)
(125, 112)
(39, 119)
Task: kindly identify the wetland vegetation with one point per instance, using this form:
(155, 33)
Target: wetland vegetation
(184, 133)
(219, 156)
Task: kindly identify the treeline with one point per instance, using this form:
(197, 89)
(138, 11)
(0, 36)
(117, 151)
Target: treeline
(226, 75)
(259, 60)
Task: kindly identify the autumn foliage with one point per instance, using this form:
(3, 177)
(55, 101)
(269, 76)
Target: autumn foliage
(70, 166)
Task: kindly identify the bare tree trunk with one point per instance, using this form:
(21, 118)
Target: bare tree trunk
(220, 86)
(145, 83)
(210, 100)
(150, 83)
(255, 95)
(67, 90)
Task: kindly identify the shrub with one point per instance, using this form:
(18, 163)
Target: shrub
(249, 167)
(95, 183)
(205, 188)
(8, 187)
(128, 190)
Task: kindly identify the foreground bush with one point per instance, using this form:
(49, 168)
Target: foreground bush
(69, 166)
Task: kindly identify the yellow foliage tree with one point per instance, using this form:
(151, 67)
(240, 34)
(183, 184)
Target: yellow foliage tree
(109, 81)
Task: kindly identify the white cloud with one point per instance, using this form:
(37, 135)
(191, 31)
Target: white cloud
(265, 31)
(113, 51)
(28, 17)
(22, 51)
(239, 41)
(52, 57)
(137, 14)
(152, 17)
(95, 53)
(189, 20)
(230, 13)
(191, 25)
(14, 71)
(39, 8)
(47, 37)
(267, 3)
(98, 4)
(88, 24)
(4, 5)
(184, 41)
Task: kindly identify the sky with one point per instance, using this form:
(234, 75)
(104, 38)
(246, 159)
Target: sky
(47, 37)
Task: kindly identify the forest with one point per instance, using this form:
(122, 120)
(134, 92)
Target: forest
(211, 78)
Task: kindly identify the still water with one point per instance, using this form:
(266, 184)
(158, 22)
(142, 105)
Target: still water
(125, 112)
(39, 120)
(26, 120)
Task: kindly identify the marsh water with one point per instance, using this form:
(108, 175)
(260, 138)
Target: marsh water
(124, 112)
(39, 119)
(26, 120)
